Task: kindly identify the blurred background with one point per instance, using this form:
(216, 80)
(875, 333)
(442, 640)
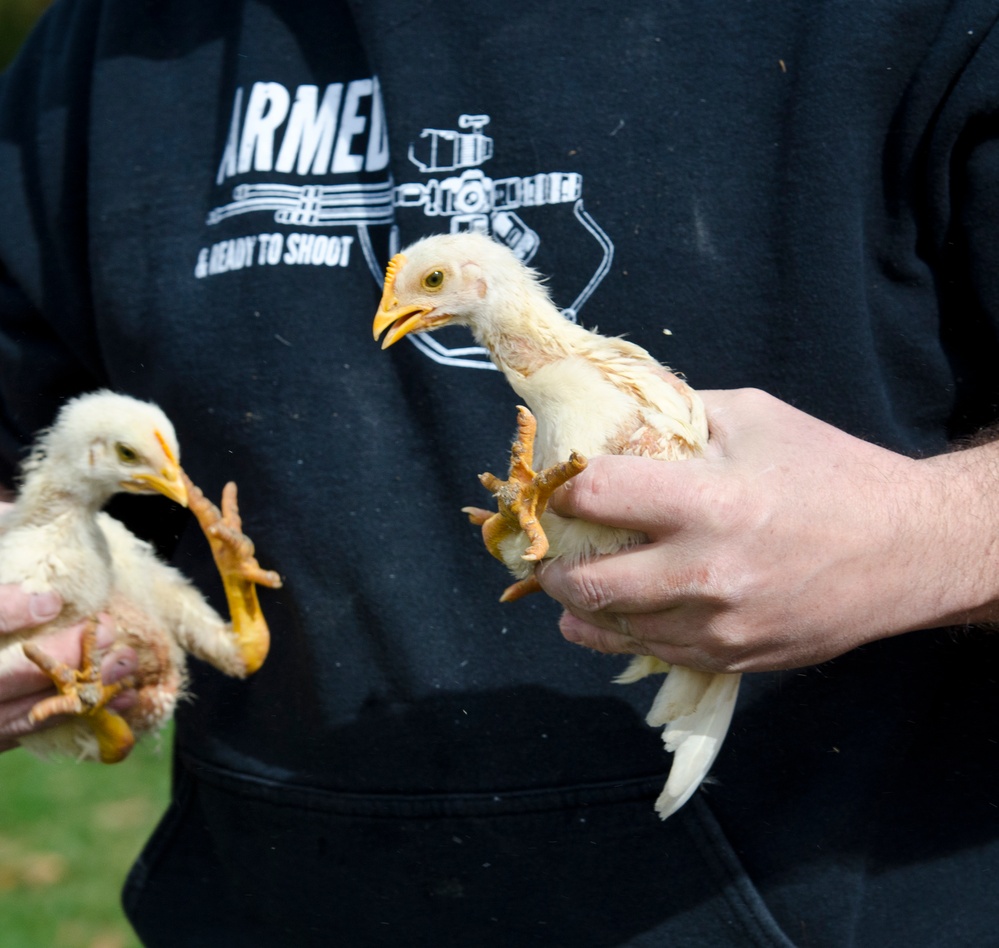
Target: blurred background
(69, 832)
(16, 20)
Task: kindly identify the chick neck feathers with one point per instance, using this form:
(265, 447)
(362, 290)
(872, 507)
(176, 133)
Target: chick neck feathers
(520, 327)
(507, 308)
(590, 392)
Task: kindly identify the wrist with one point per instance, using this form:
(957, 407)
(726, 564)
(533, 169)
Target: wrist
(958, 537)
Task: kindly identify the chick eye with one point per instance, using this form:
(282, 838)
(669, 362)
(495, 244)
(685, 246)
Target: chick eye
(126, 454)
(434, 280)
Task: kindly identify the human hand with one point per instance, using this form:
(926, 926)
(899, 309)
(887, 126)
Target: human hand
(788, 543)
(23, 685)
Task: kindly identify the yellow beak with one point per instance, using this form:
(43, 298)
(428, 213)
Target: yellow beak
(167, 482)
(401, 319)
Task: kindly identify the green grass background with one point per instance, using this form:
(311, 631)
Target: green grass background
(68, 831)
(68, 834)
(16, 18)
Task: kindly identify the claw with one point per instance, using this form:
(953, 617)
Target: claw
(478, 515)
(83, 693)
(521, 588)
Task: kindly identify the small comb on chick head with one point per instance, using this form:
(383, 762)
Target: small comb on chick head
(393, 268)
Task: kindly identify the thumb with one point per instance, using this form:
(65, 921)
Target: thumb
(21, 610)
(632, 493)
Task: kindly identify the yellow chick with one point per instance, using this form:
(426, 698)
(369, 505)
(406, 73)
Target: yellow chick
(57, 538)
(588, 395)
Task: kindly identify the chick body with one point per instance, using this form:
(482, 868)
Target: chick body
(591, 394)
(56, 538)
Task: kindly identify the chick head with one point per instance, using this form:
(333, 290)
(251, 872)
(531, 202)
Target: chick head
(103, 443)
(448, 278)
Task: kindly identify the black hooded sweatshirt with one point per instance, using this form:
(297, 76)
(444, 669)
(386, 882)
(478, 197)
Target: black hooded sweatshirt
(198, 201)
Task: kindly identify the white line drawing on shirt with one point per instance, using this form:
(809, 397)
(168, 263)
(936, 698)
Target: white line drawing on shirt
(474, 201)
(457, 189)
(312, 205)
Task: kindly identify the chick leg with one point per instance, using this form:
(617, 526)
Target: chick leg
(239, 569)
(522, 498)
(82, 692)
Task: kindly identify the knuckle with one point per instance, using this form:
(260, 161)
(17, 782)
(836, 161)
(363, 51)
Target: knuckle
(632, 646)
(587, 593)
(581, 495)
(726, 642)
(753, 397)
(735, 643)
(718, 665)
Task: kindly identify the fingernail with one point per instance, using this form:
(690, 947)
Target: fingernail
(44, 606)
(118, 664)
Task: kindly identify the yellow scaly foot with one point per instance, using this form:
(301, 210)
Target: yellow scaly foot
(522, 498)
(83, 693)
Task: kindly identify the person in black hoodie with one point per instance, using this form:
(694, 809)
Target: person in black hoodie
(198, 204)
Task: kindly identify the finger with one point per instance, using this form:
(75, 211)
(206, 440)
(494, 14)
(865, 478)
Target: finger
(23, 677)
(652, 577)
(21, 610)
(635, 493)
(629, 595)
(648, 633)
(15, 721)
(599, 638)
(119, 663)
(651, 633)
(720, 402)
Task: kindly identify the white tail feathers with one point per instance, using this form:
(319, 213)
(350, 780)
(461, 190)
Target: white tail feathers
(696, 708)
(641, 666)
